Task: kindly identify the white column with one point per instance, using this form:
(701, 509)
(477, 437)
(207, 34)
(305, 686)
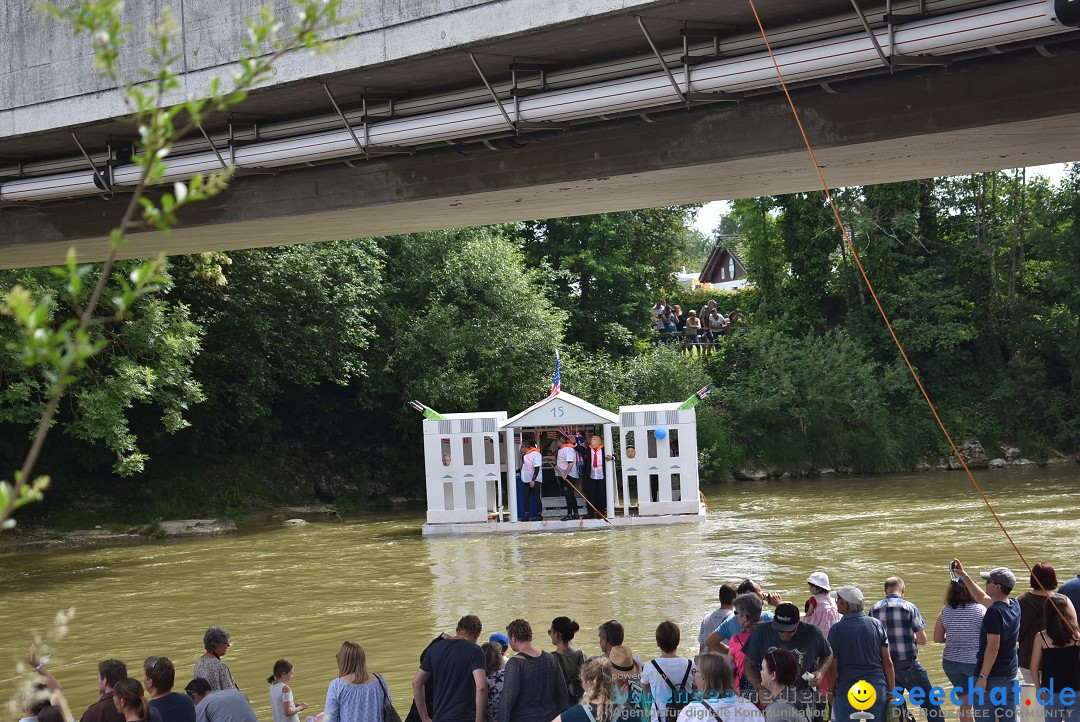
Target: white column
(609, 472)
(498, 478)
(511, 482)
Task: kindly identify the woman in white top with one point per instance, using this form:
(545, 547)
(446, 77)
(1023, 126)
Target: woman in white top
(716, 323)
(958, 626)
(679, 672)
(692, 330)
(721, 702)
(281, 696)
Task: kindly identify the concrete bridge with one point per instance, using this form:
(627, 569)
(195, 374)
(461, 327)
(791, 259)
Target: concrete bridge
(447, 113)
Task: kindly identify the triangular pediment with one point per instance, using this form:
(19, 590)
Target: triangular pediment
(563, 409)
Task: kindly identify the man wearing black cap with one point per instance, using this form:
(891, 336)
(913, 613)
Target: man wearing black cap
(806, 642)
(996, 663)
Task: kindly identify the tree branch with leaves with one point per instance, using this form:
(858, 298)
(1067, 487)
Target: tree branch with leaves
(62, 350)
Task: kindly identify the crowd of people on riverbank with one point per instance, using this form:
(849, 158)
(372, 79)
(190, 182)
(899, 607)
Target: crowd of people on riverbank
(701, 329)
(753, 665)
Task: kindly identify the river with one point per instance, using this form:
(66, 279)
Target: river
(299, 592)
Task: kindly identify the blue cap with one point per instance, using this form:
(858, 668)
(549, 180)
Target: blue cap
(501, 639)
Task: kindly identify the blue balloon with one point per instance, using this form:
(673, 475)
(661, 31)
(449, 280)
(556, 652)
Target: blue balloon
(660, 433)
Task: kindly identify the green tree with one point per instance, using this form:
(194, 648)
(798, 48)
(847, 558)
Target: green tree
(463, 323)
(280, 323)
(819, 398)
(145, 361)
(809, 238)
(607, 270)
(63, 350)
(765, 267)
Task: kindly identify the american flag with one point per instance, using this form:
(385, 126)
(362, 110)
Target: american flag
(556, 379)
(704, 391)
(567, 431)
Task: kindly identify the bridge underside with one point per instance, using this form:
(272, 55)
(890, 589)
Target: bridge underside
(1018, 109)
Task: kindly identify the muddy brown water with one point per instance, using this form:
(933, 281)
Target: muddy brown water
(299, 592)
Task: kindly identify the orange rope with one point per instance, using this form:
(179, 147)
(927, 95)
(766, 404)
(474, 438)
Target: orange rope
(870, 286)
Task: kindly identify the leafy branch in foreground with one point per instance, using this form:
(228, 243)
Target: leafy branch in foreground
(62, 350)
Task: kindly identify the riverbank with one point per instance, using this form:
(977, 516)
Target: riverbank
(257, 480)
(38, 536)
(94, 522)
(975, 456)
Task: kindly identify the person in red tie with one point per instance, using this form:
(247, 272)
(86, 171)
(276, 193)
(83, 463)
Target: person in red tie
(595, 487)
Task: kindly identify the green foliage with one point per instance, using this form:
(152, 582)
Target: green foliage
(463, 324)
(763, 258)
(141, 356)
(719, 448)
(697, 249)
(606, 270)
(658, 375)
(810, 239)
(286, 321)
(61, 351)
(816, 398)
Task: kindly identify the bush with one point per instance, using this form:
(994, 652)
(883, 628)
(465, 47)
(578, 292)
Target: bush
(820, 399)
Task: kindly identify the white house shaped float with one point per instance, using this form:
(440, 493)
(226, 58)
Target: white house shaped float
(472, 478)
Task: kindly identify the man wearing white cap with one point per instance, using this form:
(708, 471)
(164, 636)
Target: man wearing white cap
(861, 650)
(996, 663)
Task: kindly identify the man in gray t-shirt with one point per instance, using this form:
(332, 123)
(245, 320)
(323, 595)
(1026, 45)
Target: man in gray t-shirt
(716, 617)
(224, 705)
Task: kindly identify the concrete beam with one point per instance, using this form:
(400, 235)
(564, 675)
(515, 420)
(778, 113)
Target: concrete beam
(47, 80)
(1001, 112)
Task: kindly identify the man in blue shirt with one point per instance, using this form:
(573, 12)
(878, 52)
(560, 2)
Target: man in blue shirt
(996, 663)
(861, 650)
(906, 630)
(737, 622)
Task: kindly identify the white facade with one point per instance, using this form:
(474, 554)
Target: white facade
(464, 462)
(564, 410)
(471, 463)
(661, 473)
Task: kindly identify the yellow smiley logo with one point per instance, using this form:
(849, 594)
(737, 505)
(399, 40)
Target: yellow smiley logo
(862, 695)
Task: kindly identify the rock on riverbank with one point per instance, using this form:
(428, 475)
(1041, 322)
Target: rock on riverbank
(43, 538)
(196, 527)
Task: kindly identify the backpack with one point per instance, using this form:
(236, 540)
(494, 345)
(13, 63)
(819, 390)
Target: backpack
(680, 695)
(573, 683)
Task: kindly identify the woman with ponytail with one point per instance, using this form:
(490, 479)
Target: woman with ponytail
(281, 695)
(130, 702)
